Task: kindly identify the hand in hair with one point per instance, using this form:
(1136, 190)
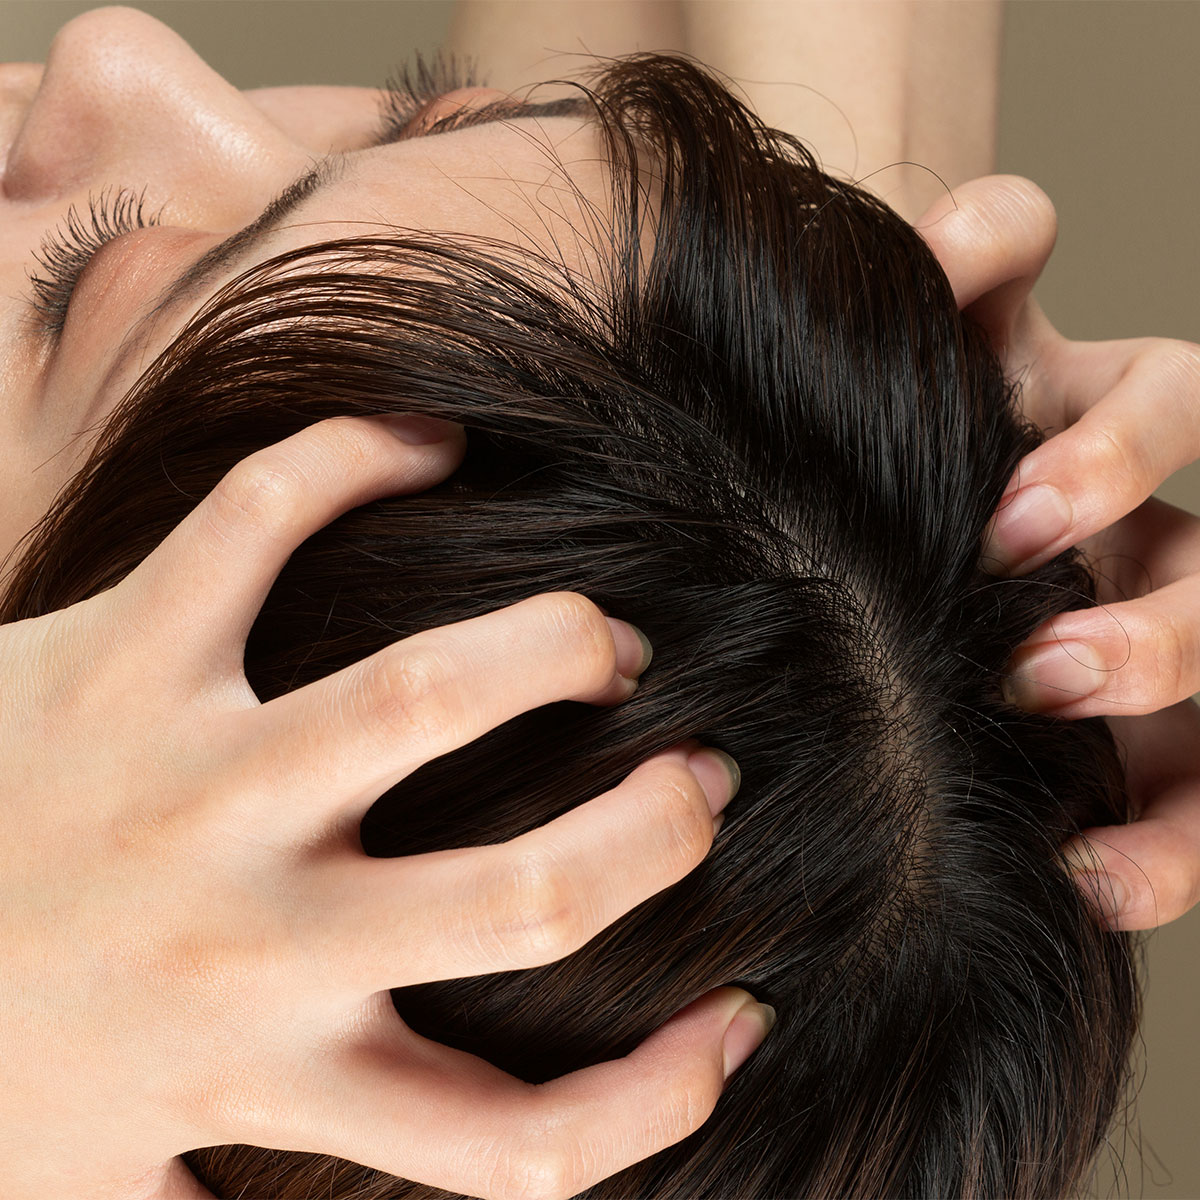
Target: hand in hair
(1127, 415)
(195, 947)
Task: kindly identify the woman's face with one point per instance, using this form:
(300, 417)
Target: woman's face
(123, 102)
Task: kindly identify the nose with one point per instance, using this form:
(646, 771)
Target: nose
(125, 101)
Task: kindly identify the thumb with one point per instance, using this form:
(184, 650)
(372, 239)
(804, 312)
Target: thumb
(992, 237)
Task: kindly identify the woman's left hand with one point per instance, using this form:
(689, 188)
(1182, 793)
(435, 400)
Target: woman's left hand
(1123, 415)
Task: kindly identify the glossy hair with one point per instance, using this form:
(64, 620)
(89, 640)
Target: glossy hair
(773, 443)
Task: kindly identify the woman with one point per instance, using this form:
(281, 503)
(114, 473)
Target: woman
(64, 631)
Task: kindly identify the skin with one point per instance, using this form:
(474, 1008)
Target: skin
(124, 101)
(900, 96)
(1123, 418)
(884, 84)
(135, 1022)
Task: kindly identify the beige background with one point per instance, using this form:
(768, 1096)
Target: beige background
(1100, 104)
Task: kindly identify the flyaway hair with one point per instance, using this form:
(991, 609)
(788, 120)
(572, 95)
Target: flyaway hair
(761, 431)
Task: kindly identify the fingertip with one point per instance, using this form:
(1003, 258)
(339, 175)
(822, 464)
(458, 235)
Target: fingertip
(1080, 854)
(739, 1021)
(416, 430)
(745, 1033)
(438, 446)
(1044, 677)
(1109, 894)
(632, 646)
(1106, 894)
(1028, 529)
(989, 231)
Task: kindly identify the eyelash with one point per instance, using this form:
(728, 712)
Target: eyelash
(65, 253)
(410, 88)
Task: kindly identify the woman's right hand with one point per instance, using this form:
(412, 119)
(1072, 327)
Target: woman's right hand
(194, 950)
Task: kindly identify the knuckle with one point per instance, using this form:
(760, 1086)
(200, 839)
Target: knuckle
(1171, 660)
(536, 912)
(67, 681)
(352, 441)
(1152, 658)
(676, 808)
(536, 1170)
(683, 1112)
(256, 495)
(1178, 364)
(228, 1103)
(409, 697)
(580, 628)
(1121, 461)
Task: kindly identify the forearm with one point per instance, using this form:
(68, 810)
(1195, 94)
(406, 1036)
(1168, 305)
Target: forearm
(521, 42)
(867, 83)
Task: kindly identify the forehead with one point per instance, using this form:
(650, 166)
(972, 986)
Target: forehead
(540, 183)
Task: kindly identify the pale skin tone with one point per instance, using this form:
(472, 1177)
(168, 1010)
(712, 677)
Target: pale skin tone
(138, 1023)
(196, 950)
(890, 82)
(884, 91)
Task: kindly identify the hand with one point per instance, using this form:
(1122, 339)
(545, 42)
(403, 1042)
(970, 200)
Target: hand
(194, 949)
(1124, 415)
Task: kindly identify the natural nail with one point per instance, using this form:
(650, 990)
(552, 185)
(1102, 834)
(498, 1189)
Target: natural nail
(633, 648)
(418, 431)
(1026, 524)
(746, 1033)
(1107, 894)
(719, 776)
(1048, 677)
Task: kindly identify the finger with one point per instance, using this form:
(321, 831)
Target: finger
(1144, 874)
(410, 1107)
(1124, 659)
(1145, 428)
(335, 745)
(1152, 546)
(529, 901)
(203, 585)
(992, 237)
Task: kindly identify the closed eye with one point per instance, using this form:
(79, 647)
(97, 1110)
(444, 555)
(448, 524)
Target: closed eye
(65, 253)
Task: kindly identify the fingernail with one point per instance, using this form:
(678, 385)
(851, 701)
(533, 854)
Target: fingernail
(1106, 893)
(418, 431)
(1079, 855)
(746, 1033)
(1047, 677)
(1026, 523)
(719, 776)
(633, 648)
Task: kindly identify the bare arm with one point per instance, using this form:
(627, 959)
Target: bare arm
(520, 42)
(914, 80)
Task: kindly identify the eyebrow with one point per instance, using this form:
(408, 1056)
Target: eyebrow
(329, 170)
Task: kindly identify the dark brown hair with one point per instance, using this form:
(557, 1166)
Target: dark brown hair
(773, 443)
